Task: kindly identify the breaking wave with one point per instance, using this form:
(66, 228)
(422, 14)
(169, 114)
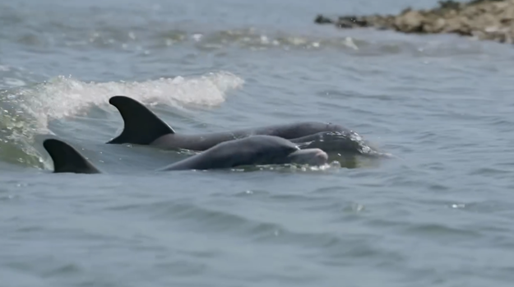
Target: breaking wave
(28, 110)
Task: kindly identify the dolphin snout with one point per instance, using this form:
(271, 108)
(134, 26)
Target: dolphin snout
(311, 156)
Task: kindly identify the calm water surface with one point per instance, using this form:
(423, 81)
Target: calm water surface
(438, 213)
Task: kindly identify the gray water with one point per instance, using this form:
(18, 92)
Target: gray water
(437, 213)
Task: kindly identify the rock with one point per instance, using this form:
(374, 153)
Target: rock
(436, 26)
(410, 22)
(323, 20)
(483, 19)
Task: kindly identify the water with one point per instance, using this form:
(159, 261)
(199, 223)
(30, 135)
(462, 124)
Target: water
(439, 213)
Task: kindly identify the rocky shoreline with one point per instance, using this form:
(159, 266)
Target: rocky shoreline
(482, 19)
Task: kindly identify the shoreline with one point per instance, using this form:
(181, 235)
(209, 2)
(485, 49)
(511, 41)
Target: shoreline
(482, 19)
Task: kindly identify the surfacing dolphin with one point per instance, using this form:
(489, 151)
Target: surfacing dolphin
(253, 150)
(143, 127)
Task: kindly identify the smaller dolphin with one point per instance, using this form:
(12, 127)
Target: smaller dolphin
(143, 127)
(67, 159)
(253, 150)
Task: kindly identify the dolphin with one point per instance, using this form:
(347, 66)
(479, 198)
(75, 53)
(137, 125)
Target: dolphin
(67, 159)
(252, 150)
(143, 127)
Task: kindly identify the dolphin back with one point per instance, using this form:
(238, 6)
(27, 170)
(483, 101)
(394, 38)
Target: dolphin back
(141, 126)
(66, 159)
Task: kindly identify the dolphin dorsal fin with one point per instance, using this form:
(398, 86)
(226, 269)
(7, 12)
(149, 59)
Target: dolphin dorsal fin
(67, 159)
(141, 126)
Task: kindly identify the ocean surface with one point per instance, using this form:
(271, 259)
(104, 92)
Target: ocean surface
(438, 212)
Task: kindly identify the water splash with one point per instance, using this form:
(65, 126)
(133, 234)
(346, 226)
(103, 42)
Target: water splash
(27, 111)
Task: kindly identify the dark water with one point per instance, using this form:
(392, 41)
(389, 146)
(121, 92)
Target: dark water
(439, 213)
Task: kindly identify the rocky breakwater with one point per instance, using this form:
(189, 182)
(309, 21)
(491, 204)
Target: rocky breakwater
(482, 19)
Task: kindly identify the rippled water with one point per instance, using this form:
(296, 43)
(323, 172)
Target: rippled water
(439, 213)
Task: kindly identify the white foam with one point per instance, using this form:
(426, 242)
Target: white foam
(65, 96)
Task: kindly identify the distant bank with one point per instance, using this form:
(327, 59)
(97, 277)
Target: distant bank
(482, 19)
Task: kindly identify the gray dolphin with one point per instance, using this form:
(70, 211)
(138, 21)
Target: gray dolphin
(143, 127)
(253, 150)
